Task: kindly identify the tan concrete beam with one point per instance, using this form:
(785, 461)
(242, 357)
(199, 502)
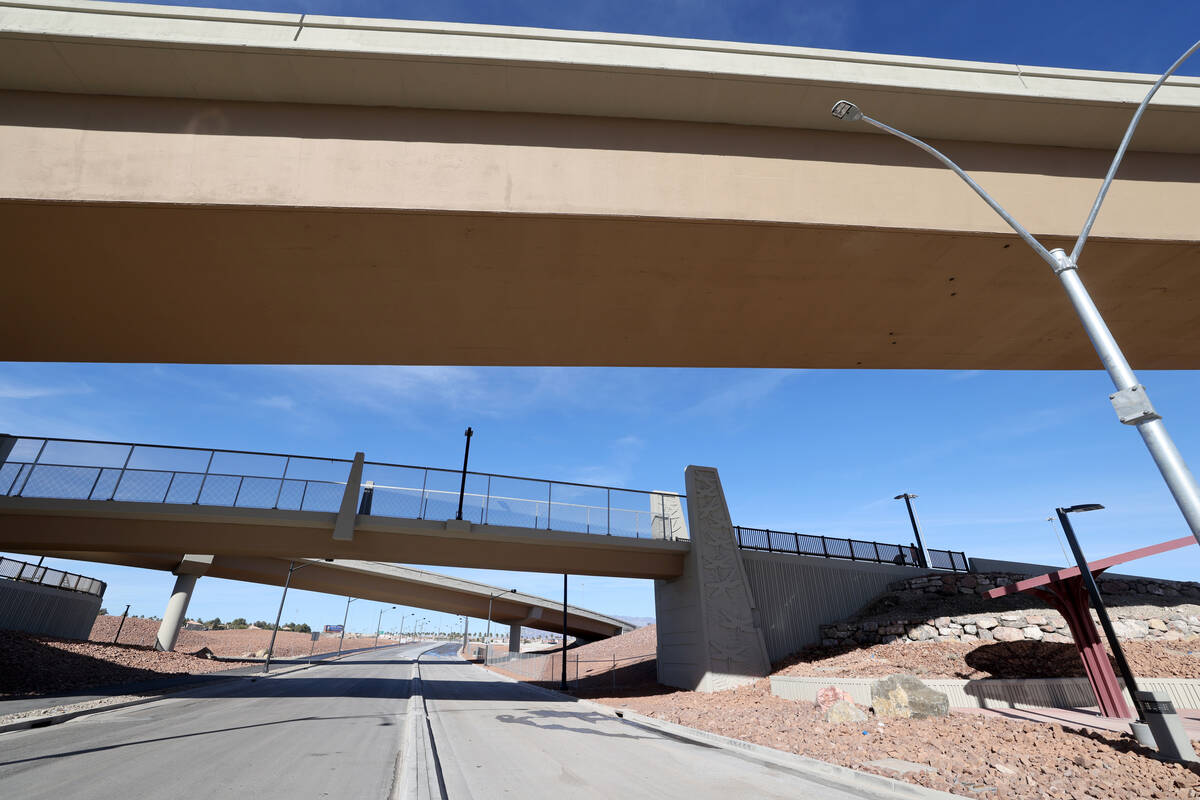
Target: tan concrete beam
(554, 290)
(63, 525)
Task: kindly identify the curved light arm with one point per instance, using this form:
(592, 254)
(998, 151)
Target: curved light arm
(1112, 170)
(987, 198)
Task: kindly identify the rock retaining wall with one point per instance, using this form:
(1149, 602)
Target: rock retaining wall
(1141, 608)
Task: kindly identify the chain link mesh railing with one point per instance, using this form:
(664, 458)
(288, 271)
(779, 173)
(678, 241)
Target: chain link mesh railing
(73, 469)
(32, 573)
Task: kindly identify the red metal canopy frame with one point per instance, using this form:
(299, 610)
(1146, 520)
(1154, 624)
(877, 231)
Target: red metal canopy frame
(1065, 591)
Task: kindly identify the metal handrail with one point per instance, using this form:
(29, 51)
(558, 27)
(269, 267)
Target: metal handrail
(873, 555)
(25, 572)
(112, 488)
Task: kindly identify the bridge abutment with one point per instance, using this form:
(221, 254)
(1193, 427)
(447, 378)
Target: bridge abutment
(708, 634)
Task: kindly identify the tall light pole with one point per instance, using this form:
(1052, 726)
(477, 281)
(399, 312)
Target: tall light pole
(922, 559)
(379, 622)
(487, 644)
(463, 486)
(345, 617)
(1130, 400)
(279, 614)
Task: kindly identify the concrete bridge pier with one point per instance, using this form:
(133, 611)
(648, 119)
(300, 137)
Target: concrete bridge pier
(514, 637)
(187, 573)
(708, 632)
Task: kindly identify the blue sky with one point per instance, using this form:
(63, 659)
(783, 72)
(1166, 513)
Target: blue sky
(1106, 34)
(990, 454)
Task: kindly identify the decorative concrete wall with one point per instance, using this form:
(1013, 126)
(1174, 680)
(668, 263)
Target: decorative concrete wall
(1141, 608)
(47, 610)
(992, 692)
(708, 634)
(797, 595)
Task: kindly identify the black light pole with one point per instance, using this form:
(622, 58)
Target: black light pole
(121, 624)
(279, 614)
(563, 686)
(922, 561)
(463, 486)
(1089, 580)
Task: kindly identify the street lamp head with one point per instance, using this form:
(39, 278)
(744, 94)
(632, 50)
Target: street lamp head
(1083, 507)
(905, 496)
(844, 109)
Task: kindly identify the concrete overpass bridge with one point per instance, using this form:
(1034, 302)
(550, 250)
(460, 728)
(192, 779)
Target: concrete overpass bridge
(724, 608)
(277, 188)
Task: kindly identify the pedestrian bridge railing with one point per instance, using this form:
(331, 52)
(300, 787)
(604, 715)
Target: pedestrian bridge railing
(24, 572)
(805, 544)
(77, 469)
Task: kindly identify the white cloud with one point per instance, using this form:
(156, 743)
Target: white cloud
(279, 401)
(11, 390)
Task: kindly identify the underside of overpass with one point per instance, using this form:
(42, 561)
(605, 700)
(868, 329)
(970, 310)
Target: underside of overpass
(258, 188)
(386, 583)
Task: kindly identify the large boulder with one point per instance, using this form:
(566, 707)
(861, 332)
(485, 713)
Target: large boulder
(907, 697)
(845, 711)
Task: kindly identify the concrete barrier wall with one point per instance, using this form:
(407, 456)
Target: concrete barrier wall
(46, 610)
(994, 693)
(795, 595)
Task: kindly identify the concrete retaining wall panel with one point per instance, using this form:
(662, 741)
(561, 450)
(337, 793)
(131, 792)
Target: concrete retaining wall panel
(994, 693)
(45, 610)
(796, 595)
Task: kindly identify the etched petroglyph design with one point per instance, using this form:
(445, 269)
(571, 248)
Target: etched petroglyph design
(735, 647)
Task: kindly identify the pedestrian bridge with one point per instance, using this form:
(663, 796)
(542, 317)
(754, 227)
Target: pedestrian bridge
(66, 495)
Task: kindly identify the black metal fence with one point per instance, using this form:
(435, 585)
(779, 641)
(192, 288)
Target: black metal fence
(948, 559)
(31, 573)
(804, 544)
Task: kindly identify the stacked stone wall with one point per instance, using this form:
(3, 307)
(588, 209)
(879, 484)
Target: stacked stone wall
(1141, 608)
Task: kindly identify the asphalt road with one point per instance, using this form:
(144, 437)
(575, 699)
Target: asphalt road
(500, 739)
(333, 730)
(336, 730)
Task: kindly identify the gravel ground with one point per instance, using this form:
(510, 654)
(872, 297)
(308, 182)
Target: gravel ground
(40, 665)
(226, 644)
(986, 660)
(1004, 759)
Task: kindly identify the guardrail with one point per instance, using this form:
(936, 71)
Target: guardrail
(79, 469)
(25, 572)
(804, 544)
(948, 559)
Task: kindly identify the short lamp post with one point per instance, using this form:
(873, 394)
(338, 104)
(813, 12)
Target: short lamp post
(1130, 400)
(487, 638)
(922, 559)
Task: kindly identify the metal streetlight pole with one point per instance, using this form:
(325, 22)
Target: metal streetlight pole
(345, 617)
(1130, 400)
(487, 644)
(463, 486)
(563, 684)
(279, 615)
(922, 559)
(379, 622)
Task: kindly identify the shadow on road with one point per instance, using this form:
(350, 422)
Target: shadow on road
(552, 721)
(384, 720)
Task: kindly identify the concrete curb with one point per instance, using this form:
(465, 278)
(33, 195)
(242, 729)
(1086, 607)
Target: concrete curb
(46, 720)
(416, 775)
(833, 775)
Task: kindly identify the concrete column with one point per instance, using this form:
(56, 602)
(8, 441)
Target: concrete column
(514, 638)
(176, 613)
(708, 634)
